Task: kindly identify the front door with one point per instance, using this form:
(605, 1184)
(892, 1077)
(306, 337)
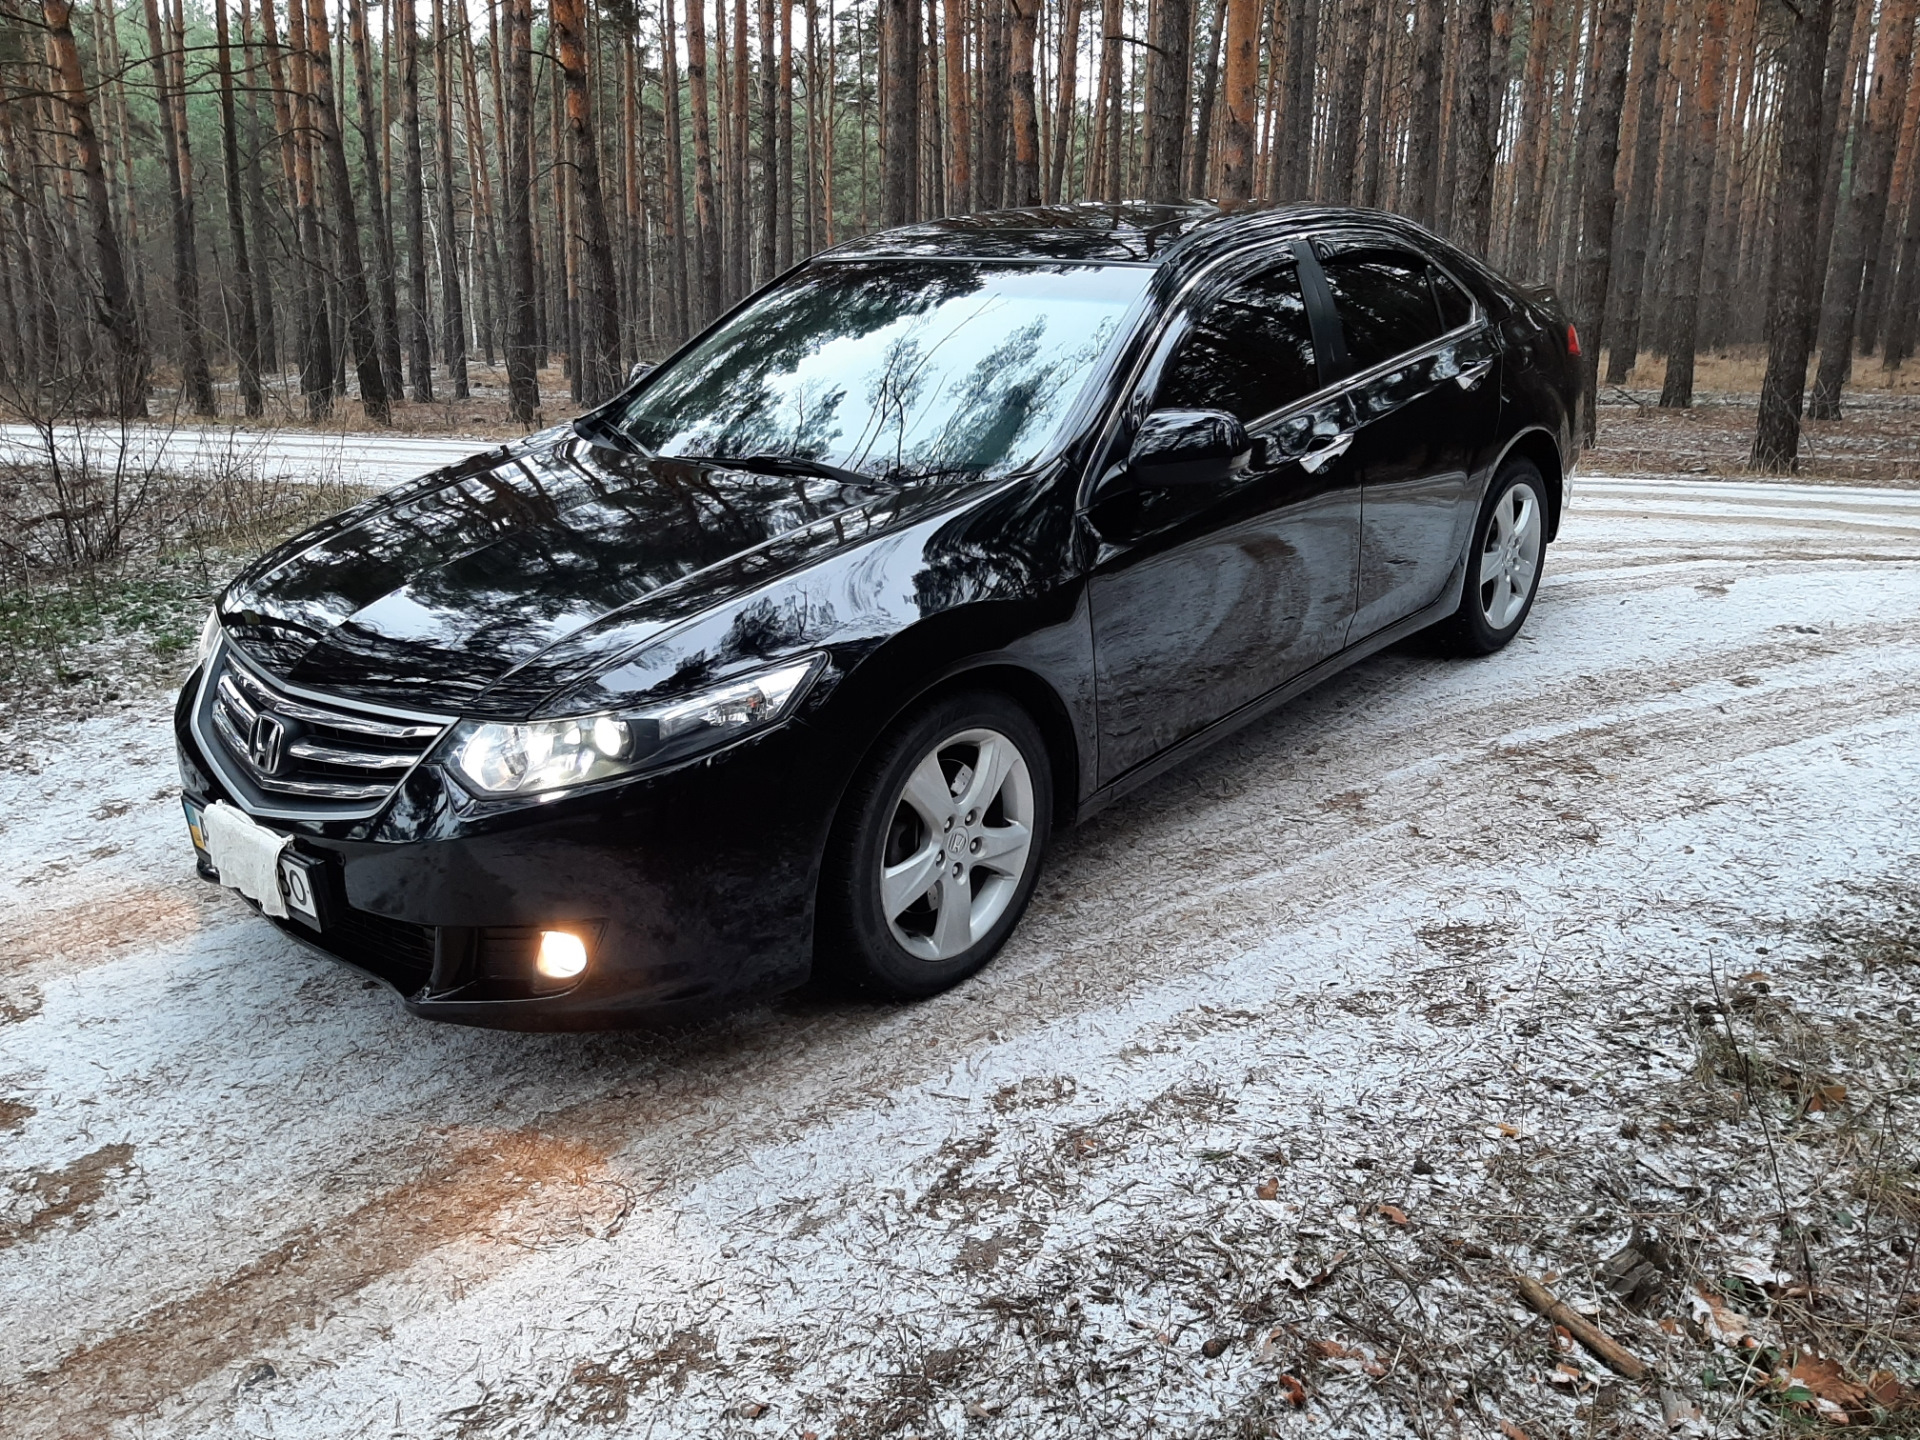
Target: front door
(1204, 599)
(1426, 402)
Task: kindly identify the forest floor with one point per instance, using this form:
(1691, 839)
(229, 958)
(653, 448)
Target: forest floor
(1596, 962)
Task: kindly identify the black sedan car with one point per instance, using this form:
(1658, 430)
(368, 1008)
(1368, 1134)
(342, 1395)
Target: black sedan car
(794, 656)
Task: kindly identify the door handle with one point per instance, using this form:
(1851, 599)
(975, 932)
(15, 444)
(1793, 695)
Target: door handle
(1473, 375)
(1316, 460)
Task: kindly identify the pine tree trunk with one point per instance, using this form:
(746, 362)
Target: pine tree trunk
(197, 380)
(1600, 143)
(1624, 325)
(900, 147)
(706, 297)
(769, 191)
(1792, 290)
(453, 310)
(1866, 207)
(1897, 340)
(1677, 391)
(387, 316)
(1025, 17)
(263, 234)
(599, 362)
(674, 166)
(1472, 209)
(1423, 131)
(523, 382)
(960, 196)
(783, 218)
(1293, 153)
(1199, 161)
(1242, 97)
(249, 347)
(1164, 124)
(129, 383)
(413, 186)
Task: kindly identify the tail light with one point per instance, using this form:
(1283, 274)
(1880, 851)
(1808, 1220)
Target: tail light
(1573, 340)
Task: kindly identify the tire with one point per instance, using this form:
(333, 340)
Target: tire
(1504, 561)
(885, 926)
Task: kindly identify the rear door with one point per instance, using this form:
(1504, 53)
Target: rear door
(1206, 598)
(1419, 362)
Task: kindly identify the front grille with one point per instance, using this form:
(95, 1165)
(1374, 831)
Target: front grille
(301, 748)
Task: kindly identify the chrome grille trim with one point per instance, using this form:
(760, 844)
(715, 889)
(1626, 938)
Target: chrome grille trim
(342, 760)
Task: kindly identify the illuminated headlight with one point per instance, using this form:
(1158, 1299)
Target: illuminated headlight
(539, 755)
(209, 635)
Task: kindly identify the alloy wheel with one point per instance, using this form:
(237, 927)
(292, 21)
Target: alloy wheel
(1510, 561)
(958, 844)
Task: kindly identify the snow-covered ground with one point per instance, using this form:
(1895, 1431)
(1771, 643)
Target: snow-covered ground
(1298, 1056)
(291, 454)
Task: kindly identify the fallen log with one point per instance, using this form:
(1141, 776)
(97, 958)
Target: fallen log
(1616, 1357)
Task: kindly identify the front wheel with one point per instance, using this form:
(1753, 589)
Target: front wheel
(1503, 564)
(938, 847)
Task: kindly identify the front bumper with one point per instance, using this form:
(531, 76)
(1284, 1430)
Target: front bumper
(695, 887)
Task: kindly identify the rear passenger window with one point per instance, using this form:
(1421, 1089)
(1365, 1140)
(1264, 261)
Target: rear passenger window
(1455, 308)
(1249, 353)
(1385, 305)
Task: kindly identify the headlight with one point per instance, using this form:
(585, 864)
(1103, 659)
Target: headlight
(523, 759)
(209, 634)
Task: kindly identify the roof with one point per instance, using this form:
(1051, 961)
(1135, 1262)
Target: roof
(1130, 232)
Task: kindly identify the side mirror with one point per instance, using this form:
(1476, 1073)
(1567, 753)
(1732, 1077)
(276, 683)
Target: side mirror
(1186, 447)
(640, 371)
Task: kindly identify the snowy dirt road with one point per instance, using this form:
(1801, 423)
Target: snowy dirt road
(289, 454)
(1408, 951)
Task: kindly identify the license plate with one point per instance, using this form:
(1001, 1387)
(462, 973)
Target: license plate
(260, 863)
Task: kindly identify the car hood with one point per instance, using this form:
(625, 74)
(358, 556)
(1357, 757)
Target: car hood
(483, 588)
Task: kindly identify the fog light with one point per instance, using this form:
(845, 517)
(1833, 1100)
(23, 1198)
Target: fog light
(562, 955)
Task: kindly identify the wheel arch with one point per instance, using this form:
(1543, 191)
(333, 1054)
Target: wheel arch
(1537, 444)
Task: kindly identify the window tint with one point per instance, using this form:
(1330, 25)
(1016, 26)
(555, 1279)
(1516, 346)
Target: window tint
(1384, 303)
(1250, 353)
(1455, 308)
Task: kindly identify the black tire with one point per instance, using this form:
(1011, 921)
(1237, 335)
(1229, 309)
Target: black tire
(858, 943)
(1470, 630)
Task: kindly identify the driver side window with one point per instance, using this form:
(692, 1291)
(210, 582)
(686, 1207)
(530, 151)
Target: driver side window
(1250, 351)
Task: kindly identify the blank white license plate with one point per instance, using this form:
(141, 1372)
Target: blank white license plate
(250, 857)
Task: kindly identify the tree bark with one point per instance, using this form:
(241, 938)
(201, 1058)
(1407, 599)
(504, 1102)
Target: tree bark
(1169, 69)
(1423, 130)
(599, 360)
(1624, 328)
(706, 296)
(769, 256)
(1677, 391)
(960, 194)
(197, 380)
(783, 218)
(1866, 206)
(413, 188)
(387, 315)
(366, 354)
(116, 314)
(1026, 115)
(1059, 163)
(1472, 209)
(523, 383)
(674, 165)
(1203, 126)
(1237, 158)
(1600, 142)
(249, 348)
(900, 149)
(453, 309)
(1794, 214)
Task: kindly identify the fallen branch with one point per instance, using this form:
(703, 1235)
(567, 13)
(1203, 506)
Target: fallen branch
(1621, 1361)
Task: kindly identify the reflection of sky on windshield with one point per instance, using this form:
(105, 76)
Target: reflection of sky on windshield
(894, 367)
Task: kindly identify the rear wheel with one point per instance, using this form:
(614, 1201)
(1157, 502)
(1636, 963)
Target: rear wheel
(1503, 564)
(938, 846)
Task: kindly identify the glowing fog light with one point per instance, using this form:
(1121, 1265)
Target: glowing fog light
(562, 955)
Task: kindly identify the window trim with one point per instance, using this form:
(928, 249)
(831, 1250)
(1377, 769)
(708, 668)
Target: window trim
(1303, 246)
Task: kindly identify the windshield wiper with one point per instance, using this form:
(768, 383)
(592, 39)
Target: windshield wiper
(788, 465)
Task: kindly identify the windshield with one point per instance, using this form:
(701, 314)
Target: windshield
(898, 369)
